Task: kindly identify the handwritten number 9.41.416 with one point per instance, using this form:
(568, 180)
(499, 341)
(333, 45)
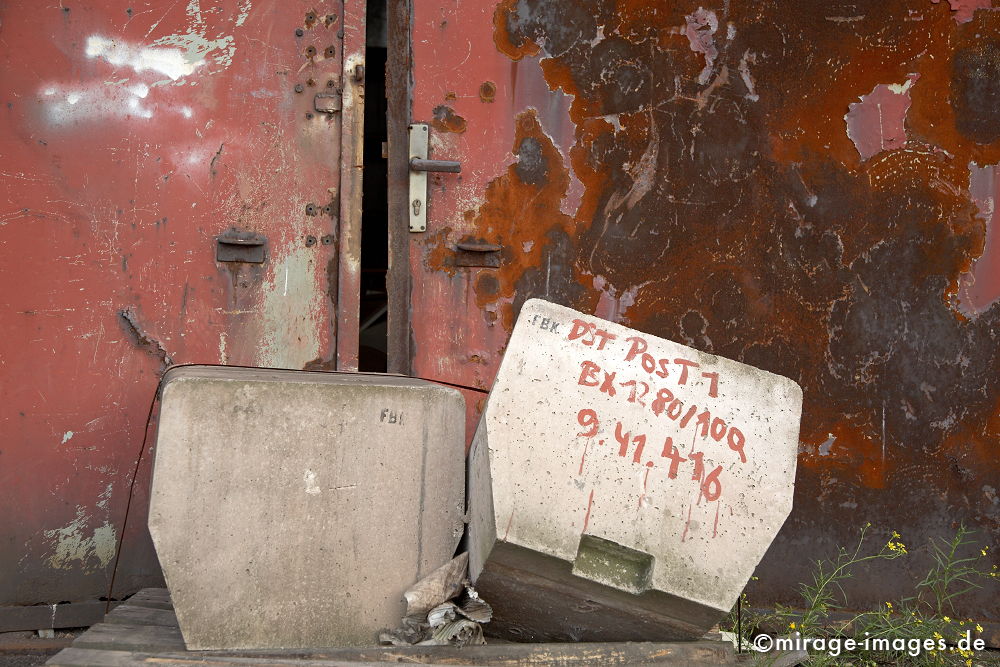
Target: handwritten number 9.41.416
(711, 486)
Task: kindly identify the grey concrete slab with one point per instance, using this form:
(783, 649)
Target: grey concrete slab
(622, 486)
(292, 509)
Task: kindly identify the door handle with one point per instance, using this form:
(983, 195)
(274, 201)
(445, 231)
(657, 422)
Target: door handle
(419, 166)
(449, 166)
(477, 253)
(235, 245)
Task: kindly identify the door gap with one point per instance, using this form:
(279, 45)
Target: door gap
(373, 341)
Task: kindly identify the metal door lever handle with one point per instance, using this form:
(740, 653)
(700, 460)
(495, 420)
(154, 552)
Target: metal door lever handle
(450, 166)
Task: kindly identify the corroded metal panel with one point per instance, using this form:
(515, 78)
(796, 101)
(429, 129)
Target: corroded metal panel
(349, 285)
(134, 135)
(808, 187)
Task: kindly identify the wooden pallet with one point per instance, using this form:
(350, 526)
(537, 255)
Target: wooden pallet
(144, 631)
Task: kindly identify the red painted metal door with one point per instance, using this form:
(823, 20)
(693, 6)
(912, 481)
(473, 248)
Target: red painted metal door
(142, 143)
(806, 187)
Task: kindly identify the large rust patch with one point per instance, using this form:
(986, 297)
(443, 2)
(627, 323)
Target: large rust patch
(728, 203)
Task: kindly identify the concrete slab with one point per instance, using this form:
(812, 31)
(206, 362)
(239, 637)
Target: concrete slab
(623, 487)
(292, 509)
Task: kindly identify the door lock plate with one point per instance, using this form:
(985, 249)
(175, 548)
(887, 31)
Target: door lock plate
(419, 140)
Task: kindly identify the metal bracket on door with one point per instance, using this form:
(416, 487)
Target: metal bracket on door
(419, 166)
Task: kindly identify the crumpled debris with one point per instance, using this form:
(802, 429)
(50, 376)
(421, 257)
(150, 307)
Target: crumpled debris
(442, 609)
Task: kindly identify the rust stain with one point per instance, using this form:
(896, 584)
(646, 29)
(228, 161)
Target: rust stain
(488, 91)
(446, 120)
(521, 214)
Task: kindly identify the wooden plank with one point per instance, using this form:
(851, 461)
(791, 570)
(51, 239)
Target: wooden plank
(158, 594)
(556, 655)
(119, 636)
(135, 633)
(129, 614)
(503, 655)
(37, 617)
(149, 604)
(161, 641)
(74, 657)
(153, 598)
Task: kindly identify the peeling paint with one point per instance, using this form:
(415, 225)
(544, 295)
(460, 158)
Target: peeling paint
(980, 288)
(130, 324)
(196, 49)
(877, 122)
(965, 9)
(72, 547)
(701, 27)
(245, 7)
(446, 120)
(292, 304)
(611, 305)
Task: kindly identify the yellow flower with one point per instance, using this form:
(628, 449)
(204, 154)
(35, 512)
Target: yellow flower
(791, 626)
(895, 535)
(888, 605)
(979, 628)
(937, 635)
(983, 551)
(947, 619)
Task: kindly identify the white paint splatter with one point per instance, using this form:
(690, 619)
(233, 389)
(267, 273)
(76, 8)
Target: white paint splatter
(67, 436)
(312, 488)
(901, 88)
(749, 57)
(223, 359)
(172, 62)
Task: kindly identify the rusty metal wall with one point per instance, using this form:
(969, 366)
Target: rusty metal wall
(132, 135)
(808, 187)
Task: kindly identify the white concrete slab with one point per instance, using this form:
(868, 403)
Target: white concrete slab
(292, 509)
(628, 466)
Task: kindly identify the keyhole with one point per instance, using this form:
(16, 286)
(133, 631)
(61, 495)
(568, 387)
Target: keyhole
(416, 207)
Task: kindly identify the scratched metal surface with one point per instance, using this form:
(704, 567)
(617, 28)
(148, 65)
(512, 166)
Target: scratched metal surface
(808, 187)
(133, 134)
